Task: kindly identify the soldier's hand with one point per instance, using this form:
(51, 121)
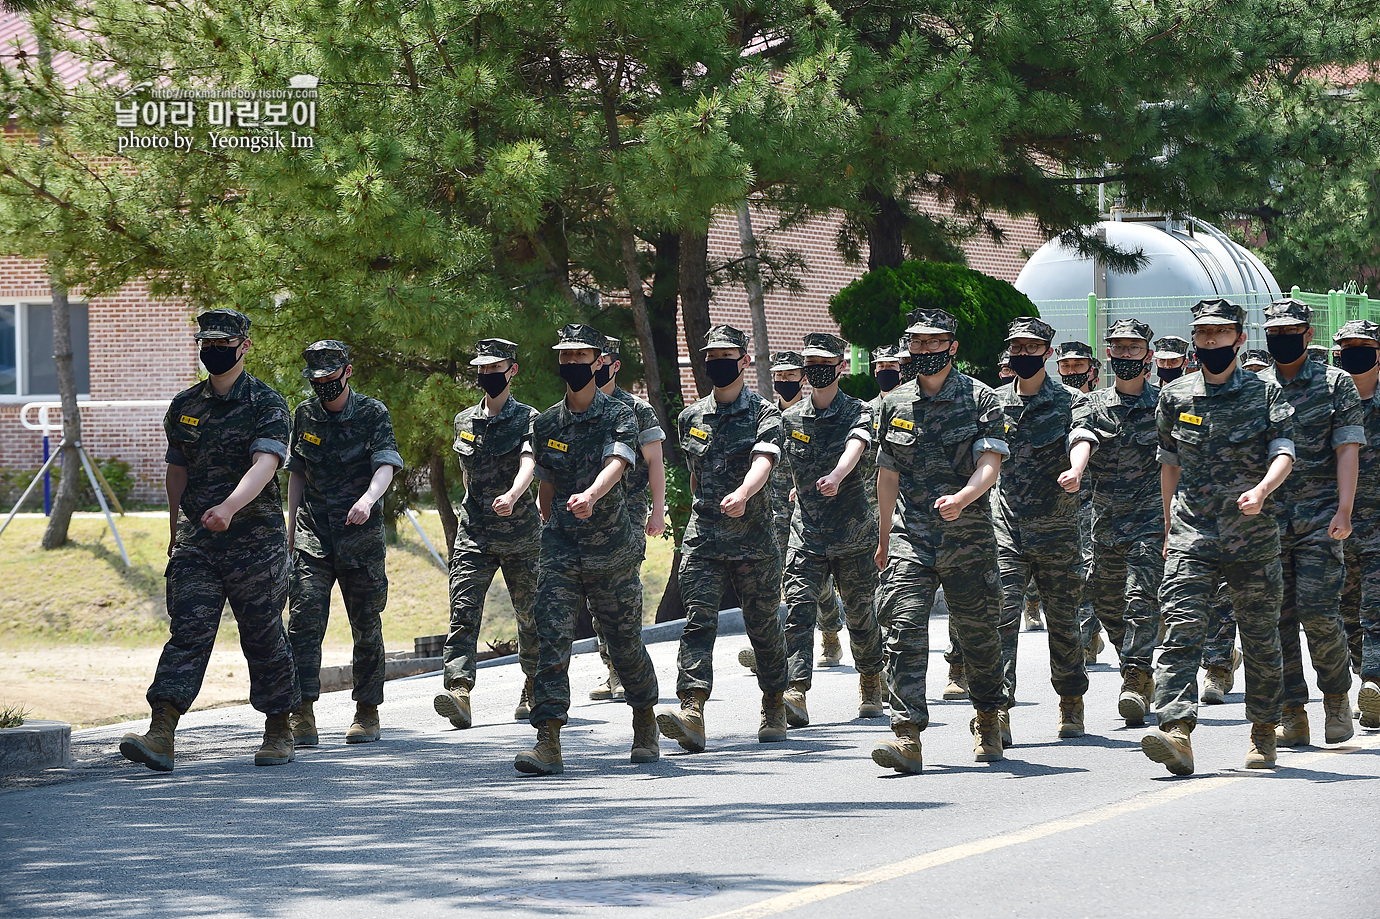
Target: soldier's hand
(828, 485)
(581, 505)
(883, 549)
(1164, 553)
(360, 512)
(1250, 502)
(1340, 527)
(172, 541)
(217, 519)
(503, 506)
(734, 504)
(656, 523)
(1070, 481)
(790, 499)
(949, 507)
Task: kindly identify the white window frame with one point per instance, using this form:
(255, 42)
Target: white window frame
(21, 350)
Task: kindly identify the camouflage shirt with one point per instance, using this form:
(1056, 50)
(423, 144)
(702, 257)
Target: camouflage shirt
(1037, 430)
(649, 431)
(812, 441)
(1365, 514)
(1124, 471)
(570, 450)
(490, 451)
(867, 466)
(719, 442)
(337, 453)
(780, 486)
(933, 444)
(1223, 437)
(216, 438)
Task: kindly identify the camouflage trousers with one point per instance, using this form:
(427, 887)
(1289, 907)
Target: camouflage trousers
(757, 582)
(1351, 604)
(1256, 587)
(1088, 620)
(364, 589)
(1048, 551)
(905, 599)
(471, 572)
(255, 582)
(806, 575)
(1363, 596)
(1124, 590)
(637, 511)
(830, 616)
(614, 596)
(1221, 630)
(1314, 572)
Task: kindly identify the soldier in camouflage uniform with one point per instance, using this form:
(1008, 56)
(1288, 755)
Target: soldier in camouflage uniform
(731, 439)
(1171, 358)
(1115, 442)
(584, 445)
(1315, 516)
(1079, 370)
(1360, 346)
(341, 460)
(1225, 445)
(834, 528)
(1257, 360)
(498, 528)
(1036, 521)
(227, 435)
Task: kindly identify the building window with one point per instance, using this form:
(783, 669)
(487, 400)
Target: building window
(27, 367)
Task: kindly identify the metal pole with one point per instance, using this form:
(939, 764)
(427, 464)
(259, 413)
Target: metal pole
(47, 481)
(24, 497)
(100, 497)
(418, 527)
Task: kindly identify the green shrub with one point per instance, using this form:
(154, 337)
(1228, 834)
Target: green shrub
(118, 474)
(863, 386)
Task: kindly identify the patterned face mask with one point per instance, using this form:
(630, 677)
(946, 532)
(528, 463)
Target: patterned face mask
(931, 363)
(1075, 380)
(1127, 368)
(329, 390)
(821, 375)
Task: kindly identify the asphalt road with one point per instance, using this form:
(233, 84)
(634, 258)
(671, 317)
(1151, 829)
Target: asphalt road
(432, 821)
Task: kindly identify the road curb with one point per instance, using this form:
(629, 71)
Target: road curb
(35, 745)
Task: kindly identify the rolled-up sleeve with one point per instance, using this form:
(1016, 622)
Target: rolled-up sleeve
(1348, 434)
(268, 445)
(174, 456)
(768, 441)
(384, 446)
(884, 460)
(1083, 436)
(1167, 457)
(1280, 446)
(620, 450)
(990, 445)
(387, 458)
(650, 435)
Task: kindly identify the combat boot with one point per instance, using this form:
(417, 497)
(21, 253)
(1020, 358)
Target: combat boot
(154, 749)
(1094, 648)
(1168, 744)
(1134, 701)
(748, 658)
(957, 687)
(1261, 755)
(902, 754)
(773, 726)
(277, 749)
(987, 743)
(616, 692)
(1003, 726)
(303, 721)
(603, 690)
(1369, 703)
(545, 757)
(454, 703)
(1337, 712)
(524, 706)
(365, 727)
(1293, 727)
(1070, 716)
(831, 651)
(1216, 684)
(685, 725)
(870, 695)
(1032, 619)
(797, 715)
(646, 748)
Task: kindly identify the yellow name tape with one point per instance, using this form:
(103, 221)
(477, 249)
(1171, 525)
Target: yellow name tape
(557, 445)
(803, 438)
(188, 419)
(311, 439)
(466, 435)
(696, 432)
(903, 424)
(1191, 419)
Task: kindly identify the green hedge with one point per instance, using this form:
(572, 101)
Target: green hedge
(117, 472)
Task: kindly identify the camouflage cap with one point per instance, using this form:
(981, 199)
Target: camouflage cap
(1030, 327)
(1131, 328)
(1218, 311)
(787, 360)
(1358, 328)
(613, 347)
(578, 335)
(1171, 346)
(1318, 352)
(1256, 356)
(222, 323)
(885, 353)
(324, 358)
(1287, 312)
(822, 344)
(493, 350)
(930, 322)
(1073, 350)
(725, 336)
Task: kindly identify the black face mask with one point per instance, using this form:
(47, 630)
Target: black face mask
(1285, 349)
(603, 375)
(577, 376)
(907, 371)
(787, 389)
(723, 371)
(1026, 365)
(821, 375)
(494, 382)
(1076, 380)
(219, 360)
(1127, 368)
(887, 380)
(1216, 360)
(1357, 359)
(930, 363)
(1170, 374)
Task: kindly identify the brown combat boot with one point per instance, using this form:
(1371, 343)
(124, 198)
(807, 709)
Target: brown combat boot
(154, 749)
(870, 695)
(831, 651)
(454, 704)
(1033, 622)
(1134, 702)
(545, 757)
(303, 722)
(1337, 714)
(365, 727)
(1368, 701)
(903, 753)
(748, 658)
(646, 748)
(1070, 716)
(277, 748)
(1261, 755)
(797, 715)
(1094, 648)
(773, 726)
(685, 725)
(987, 742)
(1293, 727)
(1217, 684)
(524, 706)
(957, 687)
(1168, 744)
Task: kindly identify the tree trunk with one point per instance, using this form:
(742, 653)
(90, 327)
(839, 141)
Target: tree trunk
(643, 323)
(441, 495)
(761, 348)
(66, 500)
(694, 301)
(664, 315)
(885, 245)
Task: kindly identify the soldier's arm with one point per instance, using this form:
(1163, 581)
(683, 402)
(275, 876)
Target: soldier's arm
(545, 492)
(859, 439)
(378, 484)
(264, 468)
(1280, 451)
(176, 483)
(1168, 455)
(527, 464)
(988, 449)
(582, 503)
(765, 452)
(656, 479)
(888, 487)
(1082, 443)
(297, 486)
(1348, 434)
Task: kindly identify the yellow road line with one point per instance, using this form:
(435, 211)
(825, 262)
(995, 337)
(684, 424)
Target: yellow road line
(820, 892)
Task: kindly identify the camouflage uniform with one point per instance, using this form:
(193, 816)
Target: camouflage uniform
(215, 437)
(933, 444)
(490, 450)
(1223, 437)
(1365, 540)
(337, 454)
(594, 560)
(829, 535)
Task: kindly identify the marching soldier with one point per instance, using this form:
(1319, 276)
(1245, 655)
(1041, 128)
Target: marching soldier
(1079, 370)
(1171, 358)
